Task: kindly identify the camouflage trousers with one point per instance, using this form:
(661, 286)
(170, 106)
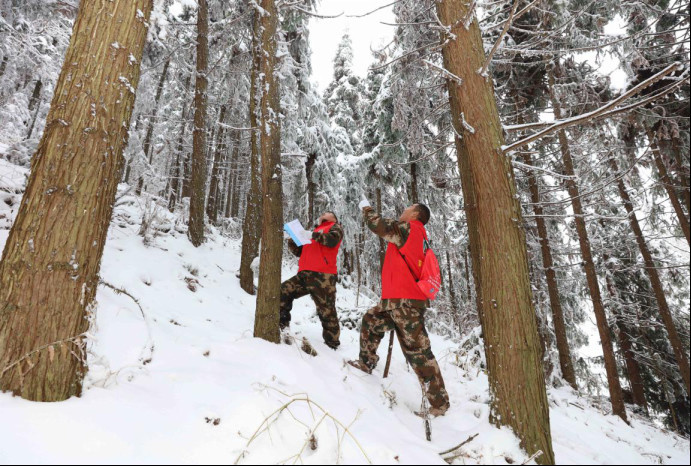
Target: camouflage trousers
(409, 325)
(322, 289)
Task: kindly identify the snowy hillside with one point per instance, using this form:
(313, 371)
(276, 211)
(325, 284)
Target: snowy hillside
(176, 377)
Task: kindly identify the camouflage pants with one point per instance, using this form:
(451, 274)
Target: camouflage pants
(409, 324)
(322, 289)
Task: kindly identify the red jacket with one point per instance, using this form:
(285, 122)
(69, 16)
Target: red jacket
(397, 281)
(317, 257)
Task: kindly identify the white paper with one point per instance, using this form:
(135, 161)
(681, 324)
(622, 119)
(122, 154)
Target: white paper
(297, 233)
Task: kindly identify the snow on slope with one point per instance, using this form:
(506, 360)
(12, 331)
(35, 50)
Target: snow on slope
(183, 381)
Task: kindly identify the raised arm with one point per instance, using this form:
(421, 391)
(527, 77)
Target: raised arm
(330, 239)
(390, 230)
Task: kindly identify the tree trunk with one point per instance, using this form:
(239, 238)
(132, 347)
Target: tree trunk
(615, 393)
(455, 308)
(233, 194)
(34, 106)
(654, 277)
(668, 184)
(128, 162)
(253, 212)
(413, 184)
(268, 106)
(150, 126)
(551, 277)
(49, 271)
(212, 204)
(382, 243)
(177, 171)
(633, 370)
(498, 245)
(198, 174)
(311, 185)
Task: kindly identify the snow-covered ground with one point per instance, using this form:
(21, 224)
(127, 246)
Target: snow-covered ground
(182, 380)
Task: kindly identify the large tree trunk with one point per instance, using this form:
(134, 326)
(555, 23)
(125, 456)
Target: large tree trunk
(198, 174)
(551, 277)
(212, 204)
(150, 126)
(498, 245)
(655, 281)
(251, 231)
(615, 393)
(668, 184)
(269, 290)
(49, 271)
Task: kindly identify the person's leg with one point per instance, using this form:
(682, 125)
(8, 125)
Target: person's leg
(323, 293)
(414, 341)
(375, 324)
(291, 290)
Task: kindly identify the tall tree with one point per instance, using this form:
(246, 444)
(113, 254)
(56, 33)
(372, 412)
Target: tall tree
(498, 245)
(198, 175)
(614, 385)
(50, 265)
(267, 106)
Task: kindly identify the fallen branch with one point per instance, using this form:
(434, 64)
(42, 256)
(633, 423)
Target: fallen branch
(537, 454)
(301, 397)
(465, 442)
(126, 293)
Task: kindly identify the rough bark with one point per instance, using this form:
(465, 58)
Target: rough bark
(268, 106)
(655, 281)
(603, 328)
(49, 271)
(198, 173)
(498, 245)
(563, 348)
(146, 147)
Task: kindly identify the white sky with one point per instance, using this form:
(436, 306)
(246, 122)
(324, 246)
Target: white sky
(325, 34)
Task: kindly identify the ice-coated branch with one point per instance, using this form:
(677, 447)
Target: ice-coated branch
(595, 114)
(488, 60)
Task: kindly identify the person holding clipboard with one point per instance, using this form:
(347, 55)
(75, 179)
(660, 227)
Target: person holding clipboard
(318, 252)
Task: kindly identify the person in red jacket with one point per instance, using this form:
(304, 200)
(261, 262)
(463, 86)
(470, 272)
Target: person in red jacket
(316, 277)
(402, 307)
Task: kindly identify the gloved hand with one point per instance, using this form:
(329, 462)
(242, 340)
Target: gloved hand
(364, 203)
